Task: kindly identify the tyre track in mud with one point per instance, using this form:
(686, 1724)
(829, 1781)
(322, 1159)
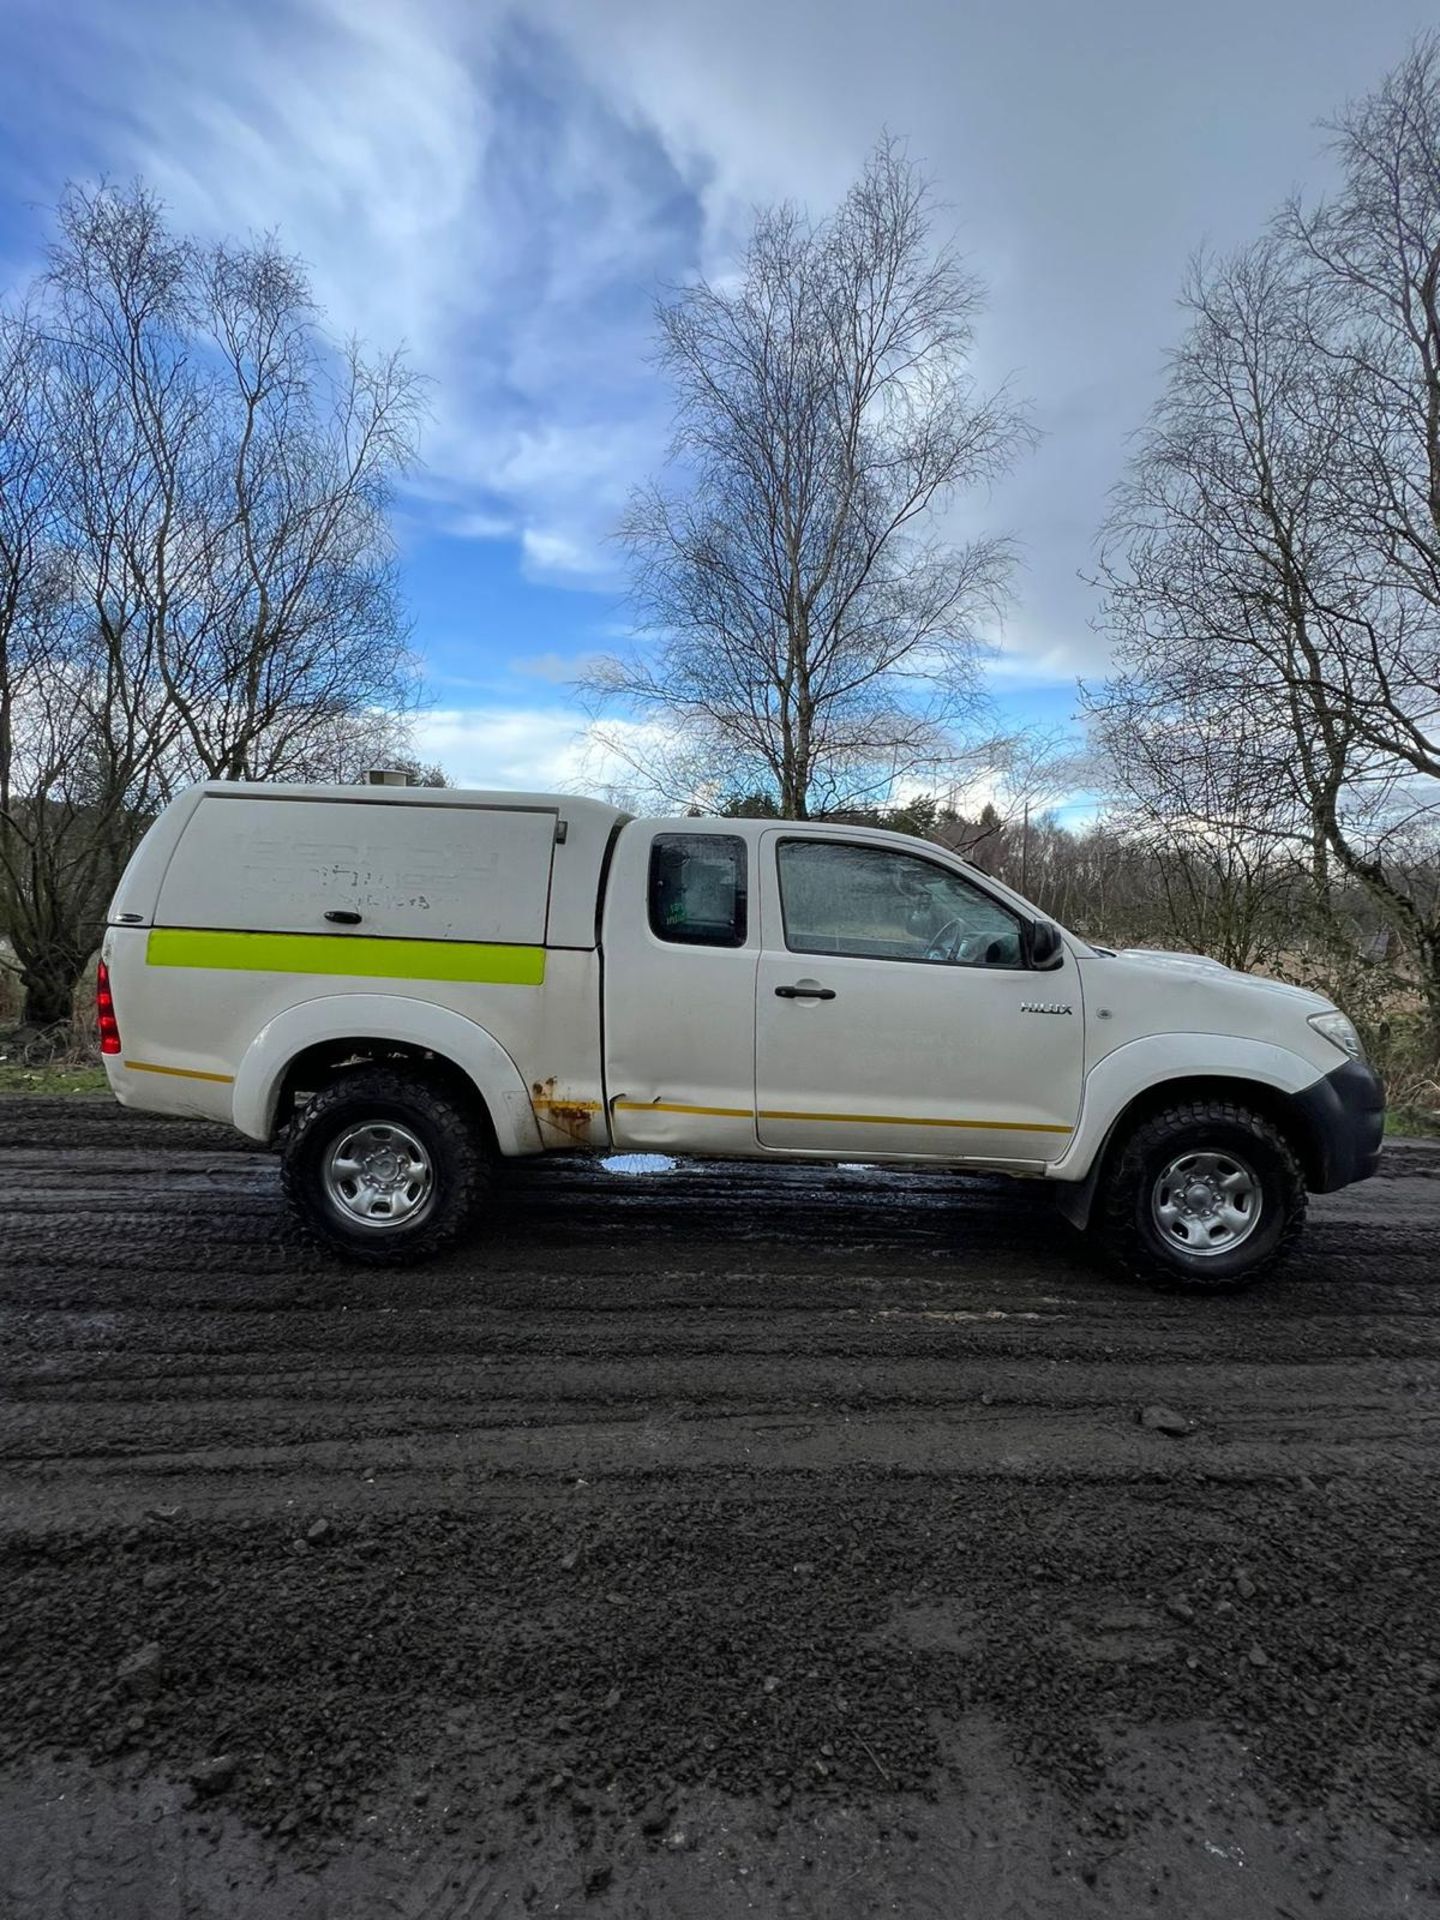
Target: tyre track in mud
(684, 1527)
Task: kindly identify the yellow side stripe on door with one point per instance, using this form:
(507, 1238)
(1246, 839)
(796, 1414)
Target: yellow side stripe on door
(181, 1073)
(917, 1120)
(677, 1106)
(844, 1119)
(484, 962)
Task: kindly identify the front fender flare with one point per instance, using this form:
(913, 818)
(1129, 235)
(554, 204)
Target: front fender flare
(1141, 1066)
(385, 1016)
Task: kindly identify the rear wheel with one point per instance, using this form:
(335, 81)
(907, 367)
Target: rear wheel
(385, 1169)
(1208, 1196)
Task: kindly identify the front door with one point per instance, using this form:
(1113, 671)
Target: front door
(894, 1013)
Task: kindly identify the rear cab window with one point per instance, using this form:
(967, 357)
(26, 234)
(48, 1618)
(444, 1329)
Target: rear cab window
(699, 889)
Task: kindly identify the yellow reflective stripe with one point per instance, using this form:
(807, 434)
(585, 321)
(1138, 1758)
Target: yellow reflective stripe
(675, 1106)
(843, 1119)
(347, 954)
(919, 1120)
(181, 1073)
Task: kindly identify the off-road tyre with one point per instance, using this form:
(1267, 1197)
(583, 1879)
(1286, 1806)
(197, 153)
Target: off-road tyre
(461, 1156)
(1124, 1223)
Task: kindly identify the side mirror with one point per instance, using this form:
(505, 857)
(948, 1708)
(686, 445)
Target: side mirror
(1047, 949)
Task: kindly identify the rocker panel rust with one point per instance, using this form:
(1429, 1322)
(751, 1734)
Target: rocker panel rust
(563, 1119)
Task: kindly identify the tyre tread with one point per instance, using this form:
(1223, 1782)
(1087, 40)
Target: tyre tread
(471, 1166)
(1117, 1229)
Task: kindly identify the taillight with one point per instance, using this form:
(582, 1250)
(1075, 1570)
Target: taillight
(105, 1011)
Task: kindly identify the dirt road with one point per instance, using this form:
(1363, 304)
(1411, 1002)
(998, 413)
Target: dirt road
(720, 1541)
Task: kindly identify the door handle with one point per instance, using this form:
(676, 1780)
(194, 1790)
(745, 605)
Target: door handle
(804, 993)
(343, 917)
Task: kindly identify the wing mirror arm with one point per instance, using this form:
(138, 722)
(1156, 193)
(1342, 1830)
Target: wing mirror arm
(1047, 949)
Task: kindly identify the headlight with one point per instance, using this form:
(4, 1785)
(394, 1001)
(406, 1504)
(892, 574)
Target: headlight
(1339, 1032)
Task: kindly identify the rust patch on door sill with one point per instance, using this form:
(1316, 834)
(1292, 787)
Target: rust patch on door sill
(571, 1118)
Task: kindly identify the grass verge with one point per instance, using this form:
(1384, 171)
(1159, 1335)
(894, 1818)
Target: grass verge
(52, 1079)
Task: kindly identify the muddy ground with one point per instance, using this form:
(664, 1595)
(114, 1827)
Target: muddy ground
(724, 1541)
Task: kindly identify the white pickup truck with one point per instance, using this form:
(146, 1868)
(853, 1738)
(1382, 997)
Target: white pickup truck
(403, 985)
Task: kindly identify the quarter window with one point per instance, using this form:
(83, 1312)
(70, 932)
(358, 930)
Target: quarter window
(697, 889)
(879, 904)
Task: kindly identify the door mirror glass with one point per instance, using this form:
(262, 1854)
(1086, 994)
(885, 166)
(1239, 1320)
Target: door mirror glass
(1047, 949)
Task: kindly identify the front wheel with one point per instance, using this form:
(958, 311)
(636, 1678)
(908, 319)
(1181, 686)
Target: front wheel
(383, 1168)
(1207, 1195)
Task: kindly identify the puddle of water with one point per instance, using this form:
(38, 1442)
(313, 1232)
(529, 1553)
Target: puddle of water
(638, 1163)
(1233, 1853)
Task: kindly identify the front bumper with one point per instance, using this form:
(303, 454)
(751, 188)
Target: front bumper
(1344, 1117)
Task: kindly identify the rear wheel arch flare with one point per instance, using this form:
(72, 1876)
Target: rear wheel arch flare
(316, 1037)
(324, 1062)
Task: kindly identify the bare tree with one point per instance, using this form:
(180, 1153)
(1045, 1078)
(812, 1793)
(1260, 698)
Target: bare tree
(1370, 261)
(65, 817)
(254, 551)
(195, 573)
(1276, 681)
(1217, 828)
(812, 632)
(356, 743)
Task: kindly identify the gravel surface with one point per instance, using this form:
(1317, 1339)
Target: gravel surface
(705, 1541)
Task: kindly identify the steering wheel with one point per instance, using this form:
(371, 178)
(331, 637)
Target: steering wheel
(945, 944)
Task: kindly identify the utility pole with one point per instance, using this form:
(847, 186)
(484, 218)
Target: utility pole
(1025, 849)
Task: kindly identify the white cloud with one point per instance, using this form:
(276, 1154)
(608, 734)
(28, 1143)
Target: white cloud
(1027, 652)
(549, 552)
(502, 187)
(559, 669)
(502, 183)
(475, 523)
(534, 750)
(455, 184)
(1026, 659)
(558, 487)
(360, 132)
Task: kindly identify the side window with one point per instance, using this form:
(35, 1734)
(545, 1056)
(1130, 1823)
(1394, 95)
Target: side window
(697, 889)
(883, 905)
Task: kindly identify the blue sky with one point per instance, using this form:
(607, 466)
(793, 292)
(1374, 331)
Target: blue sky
(501, 187)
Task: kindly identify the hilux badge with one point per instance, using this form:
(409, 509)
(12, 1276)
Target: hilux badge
(1044, 1006)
